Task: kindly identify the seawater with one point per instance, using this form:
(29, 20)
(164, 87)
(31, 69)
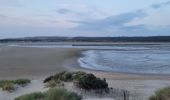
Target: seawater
(145, 59)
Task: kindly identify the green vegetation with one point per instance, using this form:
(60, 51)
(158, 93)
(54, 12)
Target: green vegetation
(61, 94)
(9, 85)
(53, 83)
(31, 96)
(89, 81)
(65, 76)
(22, 82)
(51, 94)
(162, 94)
(81, 79)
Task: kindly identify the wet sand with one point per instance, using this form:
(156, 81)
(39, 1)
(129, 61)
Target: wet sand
(21, 62)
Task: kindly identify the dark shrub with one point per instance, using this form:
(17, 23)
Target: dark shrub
(22, 82)
(89, 81)
(67, 76)
(78, 75)
(80, 79)
(60, 76)
(8, 87)
(48, 79)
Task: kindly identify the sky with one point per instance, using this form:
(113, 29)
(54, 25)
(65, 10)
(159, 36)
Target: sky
(27, 18)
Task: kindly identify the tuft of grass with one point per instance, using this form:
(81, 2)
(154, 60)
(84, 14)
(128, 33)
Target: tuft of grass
(61, 94)
(53, 84)
(22, 82)
(31, 96)
(51, 94)
(161, 94)
(65, 76)
(3, 82)
(81, 79)
(9, 85)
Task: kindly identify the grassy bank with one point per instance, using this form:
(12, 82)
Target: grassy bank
(51, 94)
(10, 85)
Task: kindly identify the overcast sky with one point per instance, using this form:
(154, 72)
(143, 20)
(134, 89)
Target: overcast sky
(22, 18)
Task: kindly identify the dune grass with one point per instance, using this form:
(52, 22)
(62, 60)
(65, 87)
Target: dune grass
(161, 94)
(82, 80)
(31, 96)
(22, 82)
(9, 85)
(51, 94)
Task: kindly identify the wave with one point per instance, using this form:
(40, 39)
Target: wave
(143, 62)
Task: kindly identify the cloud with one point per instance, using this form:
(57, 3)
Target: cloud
(112, 21)
(117, 25)
(86, 21)
(79, 12)
(160, 5)
(3, 17)
(10, 3)
(64, 11)
(167, 3)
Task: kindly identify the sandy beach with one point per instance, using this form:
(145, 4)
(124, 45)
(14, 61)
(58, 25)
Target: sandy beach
(38, 63)
(20, 62)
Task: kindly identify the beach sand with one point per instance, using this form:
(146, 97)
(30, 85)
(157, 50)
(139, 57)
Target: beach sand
(38, 63)
(20, 62)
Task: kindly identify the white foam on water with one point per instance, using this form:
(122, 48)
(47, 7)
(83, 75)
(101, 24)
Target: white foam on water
(138, 61)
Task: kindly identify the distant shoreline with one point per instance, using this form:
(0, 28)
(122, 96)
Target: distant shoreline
(89, 39)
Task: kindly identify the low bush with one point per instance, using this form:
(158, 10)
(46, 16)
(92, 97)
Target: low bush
(89, 81)
(48, 79)
(51, 94)
(65, 76)
(22, 82)
(9, 85)
(4, 82)
(54, 83)
(162, 94)
(81, 79)
(78, 75)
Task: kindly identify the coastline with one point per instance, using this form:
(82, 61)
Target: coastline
(40, 63)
